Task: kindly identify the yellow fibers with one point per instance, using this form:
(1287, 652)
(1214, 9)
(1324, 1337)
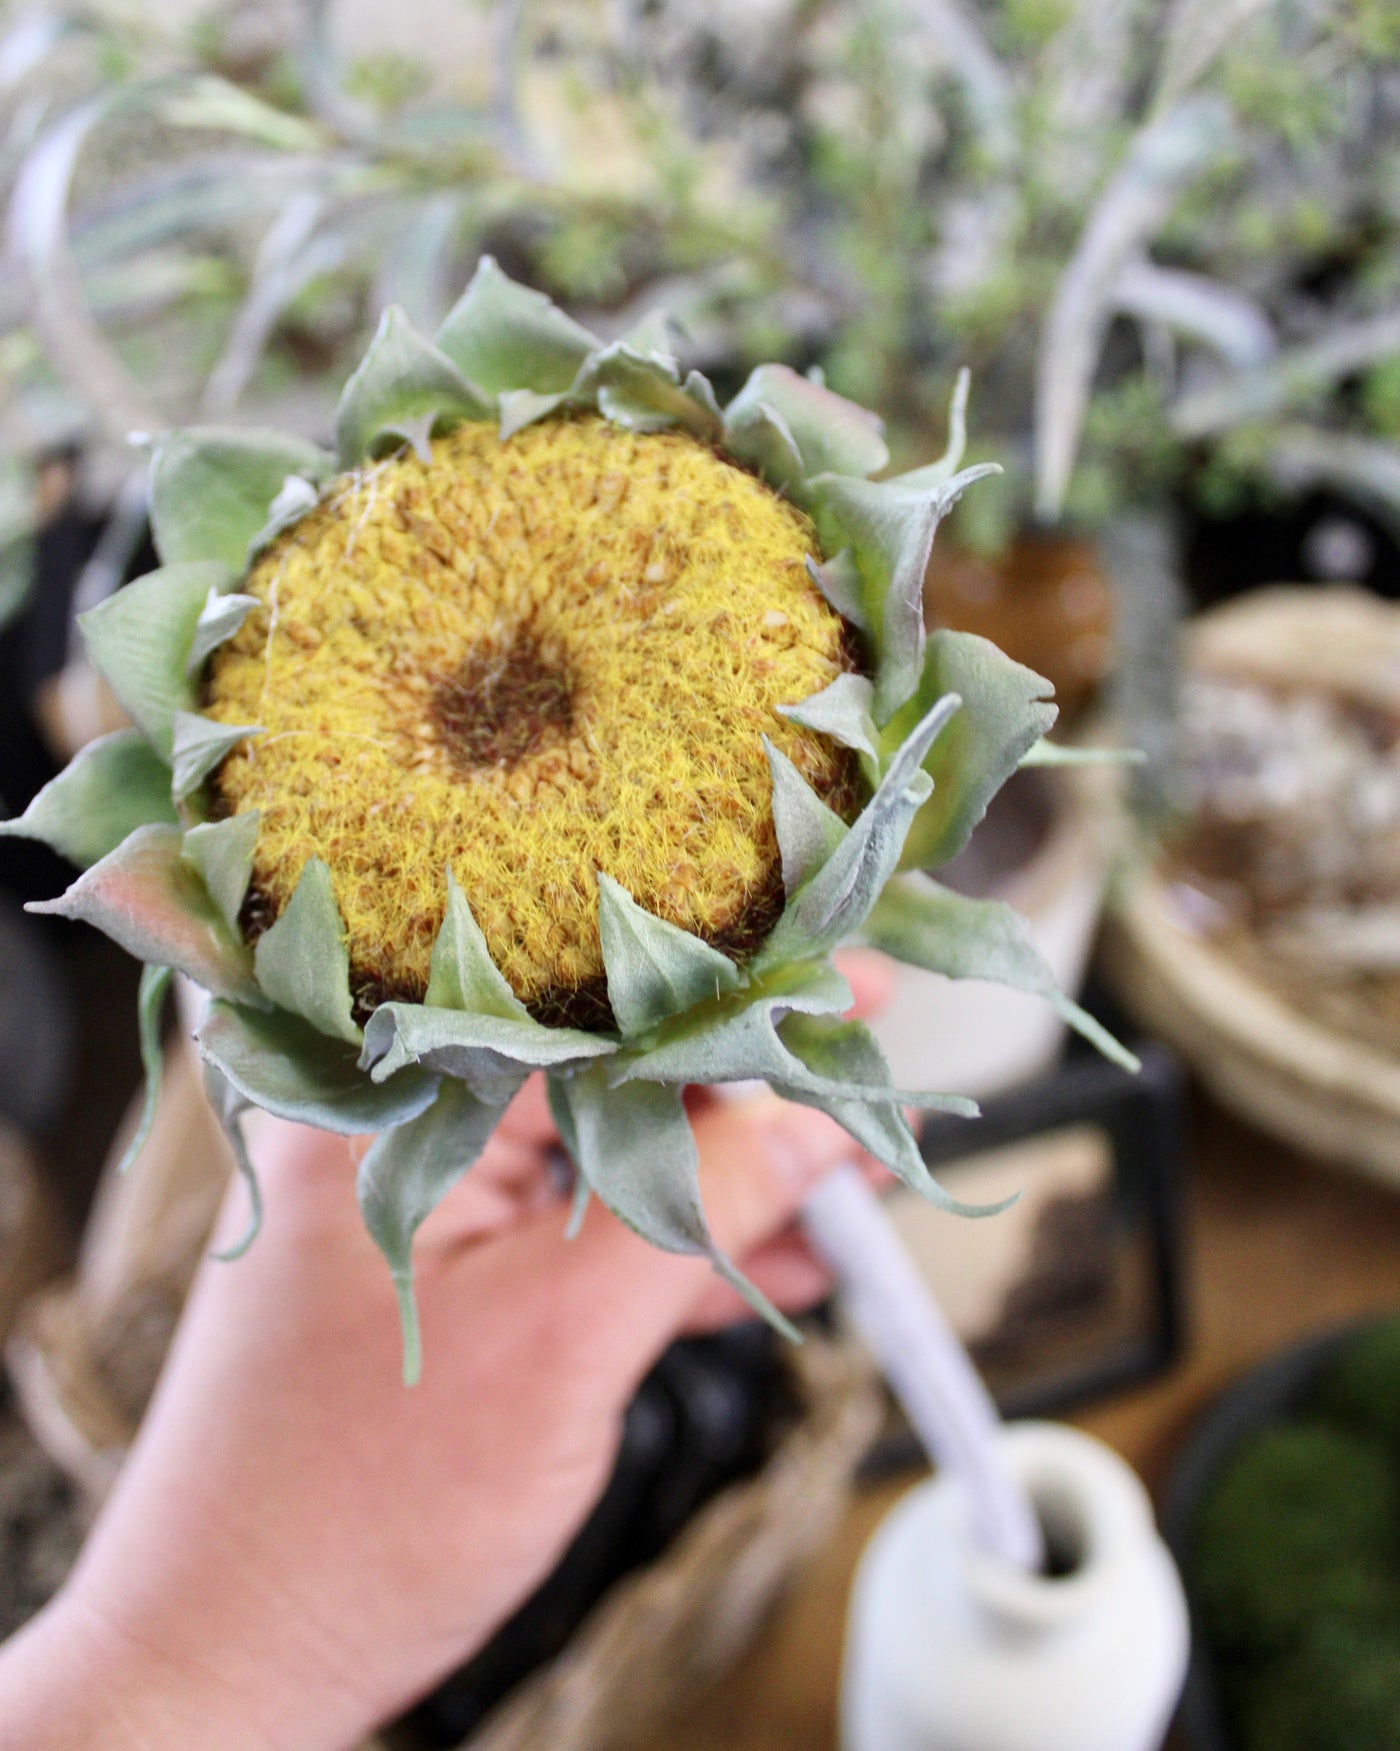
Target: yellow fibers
(664, 584)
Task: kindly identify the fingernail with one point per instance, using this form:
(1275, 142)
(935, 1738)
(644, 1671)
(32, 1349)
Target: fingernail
(803, 1146)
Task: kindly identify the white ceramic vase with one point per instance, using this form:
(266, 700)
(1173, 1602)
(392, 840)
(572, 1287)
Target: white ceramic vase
(949, 1649)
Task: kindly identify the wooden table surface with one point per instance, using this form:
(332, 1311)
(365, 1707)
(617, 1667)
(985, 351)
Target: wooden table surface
(1276, 1247)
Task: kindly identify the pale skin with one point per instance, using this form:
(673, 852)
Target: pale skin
(298, 1546)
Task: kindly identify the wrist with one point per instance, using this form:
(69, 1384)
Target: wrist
(71, 1679)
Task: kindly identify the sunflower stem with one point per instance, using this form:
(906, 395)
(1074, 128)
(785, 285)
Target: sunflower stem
(926, 1366)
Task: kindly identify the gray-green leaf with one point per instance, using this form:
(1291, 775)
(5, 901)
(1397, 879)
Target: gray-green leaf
(643, 392)
(832, 903)
(808, 831)
(654, 968)
(212, 489)
(737, 1039)
(147, 898)
(759, 437)
(303, 960)
(141, 639)
(841, 711)
(150, 1008)
(840, 581)
(1006, 710)
(110, 788)
(220, 618)
(636, 1150)
(284, 1065)
(918, 921)
(198, 745)
(403, 389)
(890, 530)
(222, 852)
(831, 435)
(461, 974)
(229, 1106)
(404, 1175)
(492, 1053)
(505, 336)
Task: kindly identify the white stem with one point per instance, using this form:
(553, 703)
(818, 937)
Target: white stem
(927, 1368)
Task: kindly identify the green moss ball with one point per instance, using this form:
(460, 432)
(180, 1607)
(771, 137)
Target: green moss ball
(1304, 1519)
(1362, 1388)
(1338, 1690)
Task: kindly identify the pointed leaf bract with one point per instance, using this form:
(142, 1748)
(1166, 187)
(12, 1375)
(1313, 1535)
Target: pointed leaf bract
(110, 788)
(141, 639)
(303, 960)
(282, 1064)
(405, 1174)
(212, 489)
(147, 898)
(506, 336)
(654, 968)
(404, 389)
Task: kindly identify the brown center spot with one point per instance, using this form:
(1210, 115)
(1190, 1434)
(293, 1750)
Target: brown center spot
(504, 702)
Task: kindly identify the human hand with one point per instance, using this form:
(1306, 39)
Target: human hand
(299, 1546)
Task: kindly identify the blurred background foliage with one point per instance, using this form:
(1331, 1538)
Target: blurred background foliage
(1164, 238)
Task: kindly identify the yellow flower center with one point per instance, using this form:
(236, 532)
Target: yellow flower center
(530, 660)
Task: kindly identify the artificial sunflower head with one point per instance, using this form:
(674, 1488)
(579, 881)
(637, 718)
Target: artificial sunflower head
(561, 720)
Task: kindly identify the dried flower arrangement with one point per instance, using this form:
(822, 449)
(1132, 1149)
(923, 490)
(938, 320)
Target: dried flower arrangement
(561, 720)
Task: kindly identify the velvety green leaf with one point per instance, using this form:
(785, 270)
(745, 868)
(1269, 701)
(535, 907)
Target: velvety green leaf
(150, 1009)
(654, 336)
(220, 618)
(890, 530)
(839, 580)
(522, 407)
(303, 960)
(760, 439)
(506, 336)
(461, 974)
(832, 435)
(636, 1151)
(937, 474)
(212, 488)
(1006, 710)
(808, 831)
(297, 497)
(846, 1056)
(841, 711)
(147, 898)
(110, 788)
(881, 1129)
(403, 389)
(736, 1039)
(654, 969)
(1045, 753)
(832, 903)
(282, 1064)
(141, 639)
(222, 852)
(488, 1052)
(197, 747)
(918, 921)
(229, 1106)
(643, 393)
(405, 1174)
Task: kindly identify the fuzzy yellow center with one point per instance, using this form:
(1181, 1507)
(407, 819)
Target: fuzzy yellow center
(530, 661)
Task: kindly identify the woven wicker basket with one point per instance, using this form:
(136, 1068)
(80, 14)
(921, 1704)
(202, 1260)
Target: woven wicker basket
(1314, 1075)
